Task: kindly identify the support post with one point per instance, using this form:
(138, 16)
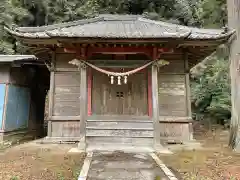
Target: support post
(83, 106)
(187, 86)
(188, 94)
(155, 108)
(51, 95)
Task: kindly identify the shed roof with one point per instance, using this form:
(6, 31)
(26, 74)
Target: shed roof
(119, 26)
(12, 58)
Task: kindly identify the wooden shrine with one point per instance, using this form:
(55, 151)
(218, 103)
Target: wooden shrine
(120, 80)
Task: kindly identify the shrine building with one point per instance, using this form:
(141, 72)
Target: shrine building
(119, 81)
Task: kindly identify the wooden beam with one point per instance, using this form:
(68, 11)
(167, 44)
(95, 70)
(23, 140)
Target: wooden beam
(155, 107)
(65, 118)
(120, 50)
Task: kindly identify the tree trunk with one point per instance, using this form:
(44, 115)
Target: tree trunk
(234, 57)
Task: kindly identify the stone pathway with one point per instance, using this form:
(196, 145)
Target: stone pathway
(124, 166)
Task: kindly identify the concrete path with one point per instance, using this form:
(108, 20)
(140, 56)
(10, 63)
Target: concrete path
(124, 166)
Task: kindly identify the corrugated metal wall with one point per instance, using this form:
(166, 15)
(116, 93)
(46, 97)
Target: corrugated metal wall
(2, 97)
(18, 105)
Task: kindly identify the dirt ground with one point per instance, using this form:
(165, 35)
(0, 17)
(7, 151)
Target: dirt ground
(31, 161)
(214, 162)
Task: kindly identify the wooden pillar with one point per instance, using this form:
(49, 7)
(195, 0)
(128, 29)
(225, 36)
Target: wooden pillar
(187, 84)
(89, 92)
(51, 95)
(155, 107)
(83, 106)
(188, 94)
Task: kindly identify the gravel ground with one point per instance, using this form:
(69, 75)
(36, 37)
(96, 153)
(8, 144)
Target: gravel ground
(31, 161)
(214, 162)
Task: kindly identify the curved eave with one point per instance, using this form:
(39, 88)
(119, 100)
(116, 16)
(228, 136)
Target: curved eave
(187, 36)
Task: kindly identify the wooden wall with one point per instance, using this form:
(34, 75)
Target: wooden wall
(125, 99)
(172, 89)
(174, 102)
(66, 94)
(64, 98)
(172, 95)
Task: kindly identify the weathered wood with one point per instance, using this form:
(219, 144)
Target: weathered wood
(89, 92)
(66, 100)
(172, 95)
(233, 21)
(119, 118)
(65, 118)
(175, 119)
(187, 85)
(67, 79)
(66, 108)
(62, 60)
(67, 90)
(174, 66)
(83, 100)
(139, 125)
(174, 131)
(155, 106)
(126, 99)
(120, 140)
(51, 94)
(65, 129)
(49, 129)
(119, 132)
(51, 88)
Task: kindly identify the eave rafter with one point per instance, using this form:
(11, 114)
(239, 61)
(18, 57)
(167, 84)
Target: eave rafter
(86, 51)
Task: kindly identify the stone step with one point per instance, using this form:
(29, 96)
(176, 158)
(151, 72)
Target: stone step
(119, 147)
(105, 124)
(119, 133)
(119, 140)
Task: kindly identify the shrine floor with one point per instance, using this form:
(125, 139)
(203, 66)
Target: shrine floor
(124, 166)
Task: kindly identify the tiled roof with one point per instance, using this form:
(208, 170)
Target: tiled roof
(118, 26)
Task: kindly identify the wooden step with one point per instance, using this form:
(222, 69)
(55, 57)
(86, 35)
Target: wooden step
(106, 147)
(101, 124)
(119, 133)
(120, 140)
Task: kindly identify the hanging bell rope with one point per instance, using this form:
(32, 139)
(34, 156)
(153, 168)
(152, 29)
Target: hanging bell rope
(118, 74)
